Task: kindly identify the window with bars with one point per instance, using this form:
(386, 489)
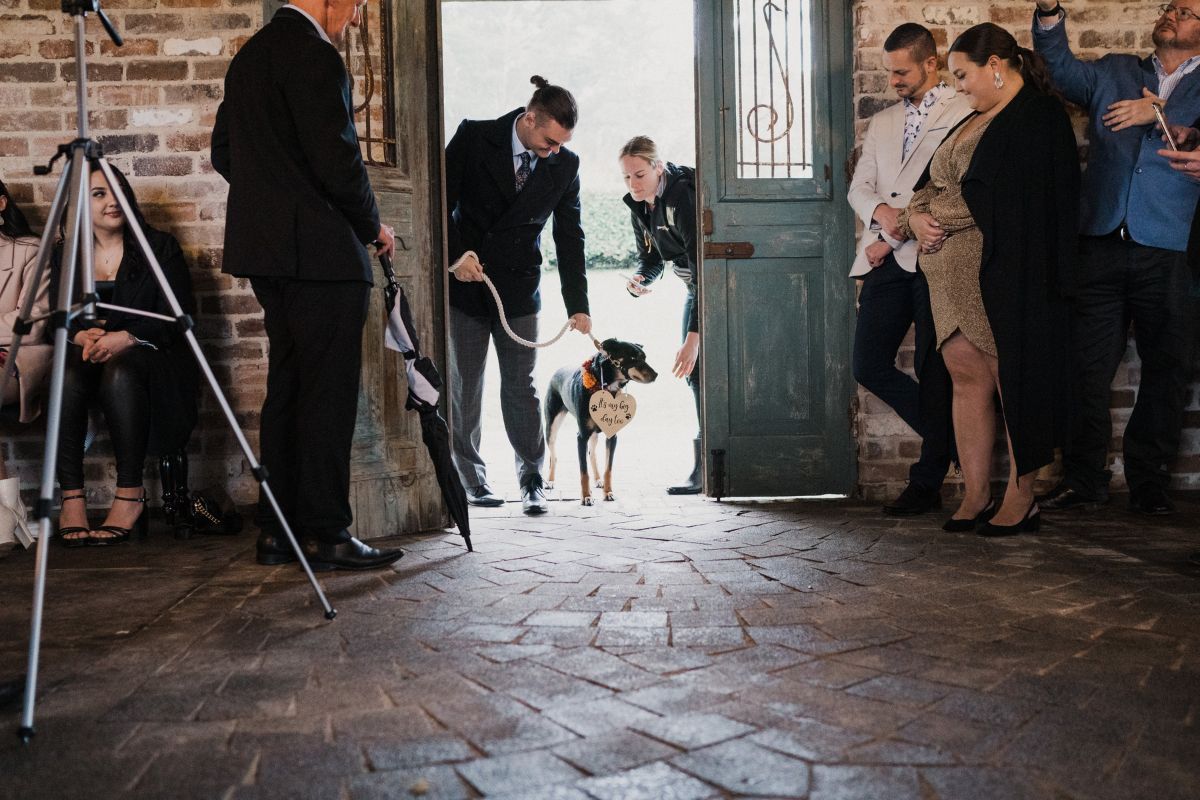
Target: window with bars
(367, 50)
(773, 87)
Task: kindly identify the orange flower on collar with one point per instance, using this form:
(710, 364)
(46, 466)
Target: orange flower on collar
(589, 380)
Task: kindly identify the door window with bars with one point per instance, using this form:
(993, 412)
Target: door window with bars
(773, 88)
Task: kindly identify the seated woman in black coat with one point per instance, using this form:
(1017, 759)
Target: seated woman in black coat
(662, 204)
(138, 370)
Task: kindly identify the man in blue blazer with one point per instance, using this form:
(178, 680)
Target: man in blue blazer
(504, 179)
(1136, 214)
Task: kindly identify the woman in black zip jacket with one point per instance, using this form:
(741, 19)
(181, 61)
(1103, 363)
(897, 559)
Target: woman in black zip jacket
(662, 203)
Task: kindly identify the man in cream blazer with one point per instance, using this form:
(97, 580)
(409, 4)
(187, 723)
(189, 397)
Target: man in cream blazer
(899, 143)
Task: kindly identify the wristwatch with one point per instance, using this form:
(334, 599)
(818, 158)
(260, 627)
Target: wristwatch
(1054, 12)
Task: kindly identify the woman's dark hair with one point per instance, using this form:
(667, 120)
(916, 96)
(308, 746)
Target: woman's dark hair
(133, 252)
(985, 40)
(15, 225)
(553, 101)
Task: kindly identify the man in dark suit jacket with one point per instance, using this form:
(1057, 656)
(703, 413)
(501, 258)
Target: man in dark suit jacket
(504, 179)
(299, 216)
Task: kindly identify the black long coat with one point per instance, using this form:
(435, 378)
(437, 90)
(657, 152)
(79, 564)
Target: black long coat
(1022, 189)
(504, 228)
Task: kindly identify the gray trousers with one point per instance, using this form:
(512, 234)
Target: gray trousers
(469, 342)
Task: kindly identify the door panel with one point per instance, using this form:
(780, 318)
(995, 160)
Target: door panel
(773, 96)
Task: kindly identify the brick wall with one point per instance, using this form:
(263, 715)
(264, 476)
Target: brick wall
(1096, 27)
(152, 105)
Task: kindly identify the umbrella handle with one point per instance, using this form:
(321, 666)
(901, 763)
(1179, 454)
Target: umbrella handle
(385, 261)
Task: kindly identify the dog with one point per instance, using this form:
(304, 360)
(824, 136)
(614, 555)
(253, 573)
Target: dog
(571, 390)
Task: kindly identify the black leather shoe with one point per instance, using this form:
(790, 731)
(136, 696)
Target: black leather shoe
(914, 500)
(348, 554)
(1152, 500)
(273, 548)
(1065, 498)
(533, 496)
(483, 495)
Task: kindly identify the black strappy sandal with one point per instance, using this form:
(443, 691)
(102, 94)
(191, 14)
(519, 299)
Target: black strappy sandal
(119, 534)
(78, 541)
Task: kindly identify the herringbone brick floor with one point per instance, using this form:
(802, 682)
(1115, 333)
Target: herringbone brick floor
(649, 648)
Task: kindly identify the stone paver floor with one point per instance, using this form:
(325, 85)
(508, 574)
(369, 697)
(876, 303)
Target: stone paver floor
(642, 649)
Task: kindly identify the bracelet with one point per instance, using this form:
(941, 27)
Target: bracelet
(1058, 9)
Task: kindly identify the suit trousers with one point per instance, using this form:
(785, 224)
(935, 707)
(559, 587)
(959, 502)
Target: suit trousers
(314, 330)
(519, 402)
(891, 301)
(1121, 283)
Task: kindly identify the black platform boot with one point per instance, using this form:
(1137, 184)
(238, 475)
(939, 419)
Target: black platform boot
(177, 501)
(695, 482)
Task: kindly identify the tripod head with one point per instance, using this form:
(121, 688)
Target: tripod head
(79, 8)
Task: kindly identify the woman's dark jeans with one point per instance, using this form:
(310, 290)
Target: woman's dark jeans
(121, 389)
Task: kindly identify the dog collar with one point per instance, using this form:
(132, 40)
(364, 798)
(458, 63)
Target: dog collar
(590, 381)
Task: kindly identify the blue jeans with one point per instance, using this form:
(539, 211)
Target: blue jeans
(891, 301)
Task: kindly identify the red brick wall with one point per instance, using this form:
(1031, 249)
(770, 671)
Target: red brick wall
(1096, 27)
(152, 105)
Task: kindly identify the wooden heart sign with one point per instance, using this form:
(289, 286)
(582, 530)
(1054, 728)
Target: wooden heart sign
(610, 411)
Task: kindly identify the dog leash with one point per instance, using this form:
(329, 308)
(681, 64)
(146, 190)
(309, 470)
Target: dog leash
(568, 325)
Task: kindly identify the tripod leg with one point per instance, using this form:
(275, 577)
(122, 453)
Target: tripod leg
(185, 324)
(77, 170)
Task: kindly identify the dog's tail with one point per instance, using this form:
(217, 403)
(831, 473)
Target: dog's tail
(553, 407)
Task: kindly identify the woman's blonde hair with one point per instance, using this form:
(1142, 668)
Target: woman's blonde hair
(641, 147)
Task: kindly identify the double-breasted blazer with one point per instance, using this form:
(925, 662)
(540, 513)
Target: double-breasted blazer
(18, 261)
(300, 202)
(488, 216)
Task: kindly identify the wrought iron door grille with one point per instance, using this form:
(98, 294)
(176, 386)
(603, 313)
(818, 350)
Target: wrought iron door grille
(372, 69)
(773, 84)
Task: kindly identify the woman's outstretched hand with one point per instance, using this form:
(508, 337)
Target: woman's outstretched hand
(685, 359)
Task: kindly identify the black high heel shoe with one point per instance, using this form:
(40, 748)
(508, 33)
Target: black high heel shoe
(78, 541)
(120, 534)
(1030, 523)
(953, 525)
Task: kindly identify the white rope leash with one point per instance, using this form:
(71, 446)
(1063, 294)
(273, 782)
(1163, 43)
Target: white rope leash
(568, 325)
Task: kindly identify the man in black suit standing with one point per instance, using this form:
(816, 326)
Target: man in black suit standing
(299, 216)
(504, 179)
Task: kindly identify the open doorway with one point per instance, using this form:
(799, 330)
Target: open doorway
(631, 66)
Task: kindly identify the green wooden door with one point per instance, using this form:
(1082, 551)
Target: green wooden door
(773, 96)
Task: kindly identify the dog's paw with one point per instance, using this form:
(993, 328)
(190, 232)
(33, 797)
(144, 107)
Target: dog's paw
(599, 484)
(587, 501)
(609, 496)
(548, 486)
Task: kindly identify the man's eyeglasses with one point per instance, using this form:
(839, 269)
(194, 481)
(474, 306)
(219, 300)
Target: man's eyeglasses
(1180, 13)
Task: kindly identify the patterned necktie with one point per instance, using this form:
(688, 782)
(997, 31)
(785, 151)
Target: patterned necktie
(523, 171)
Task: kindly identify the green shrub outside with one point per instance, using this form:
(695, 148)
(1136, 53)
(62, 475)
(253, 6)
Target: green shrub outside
(609, 235)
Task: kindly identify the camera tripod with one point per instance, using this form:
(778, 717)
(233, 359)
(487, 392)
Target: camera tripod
(72, 203)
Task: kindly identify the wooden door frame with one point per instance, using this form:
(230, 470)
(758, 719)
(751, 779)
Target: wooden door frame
(840, 389)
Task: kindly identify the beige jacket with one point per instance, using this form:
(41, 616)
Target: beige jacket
(18, 260)
(882, 177)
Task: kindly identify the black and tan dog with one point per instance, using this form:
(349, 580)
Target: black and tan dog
(571, 391)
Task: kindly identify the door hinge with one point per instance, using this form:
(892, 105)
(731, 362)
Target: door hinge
(706, 222)
(716, 480)
(728, 250)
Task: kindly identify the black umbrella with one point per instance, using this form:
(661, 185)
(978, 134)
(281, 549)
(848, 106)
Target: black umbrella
(424, 384)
